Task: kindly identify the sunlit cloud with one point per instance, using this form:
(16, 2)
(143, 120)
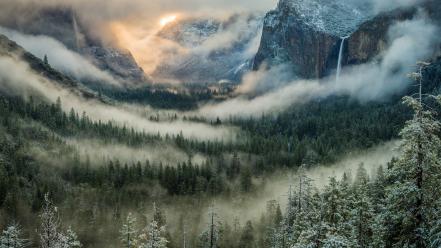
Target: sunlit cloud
(167, 20)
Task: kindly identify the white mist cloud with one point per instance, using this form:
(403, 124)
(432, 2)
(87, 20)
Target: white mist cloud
(226, 37)
(275, 101)
(100, 152)
(60, 57)
(100, 11)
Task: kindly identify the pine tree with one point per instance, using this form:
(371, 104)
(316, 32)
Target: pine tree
(70, 239)
(128, 232)
(158, 215)
(153, 236)
(336, 241)
(302, 206)
(210, 237)
(50, 224)
(415, 175)
(333, 207)
(315, 233)
(246, 179)
(435, 234)
(361, 215)
(247, 239)
(11, 237)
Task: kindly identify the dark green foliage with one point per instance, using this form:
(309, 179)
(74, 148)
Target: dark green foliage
(320, 132)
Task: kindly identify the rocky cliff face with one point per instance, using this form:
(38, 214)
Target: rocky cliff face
(307, 34)
(62, 24)
(371, 37)
(288, 40)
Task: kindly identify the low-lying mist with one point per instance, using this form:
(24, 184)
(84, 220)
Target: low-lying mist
(100, 152)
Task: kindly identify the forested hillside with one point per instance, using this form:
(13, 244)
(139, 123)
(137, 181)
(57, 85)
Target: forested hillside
(314, 126)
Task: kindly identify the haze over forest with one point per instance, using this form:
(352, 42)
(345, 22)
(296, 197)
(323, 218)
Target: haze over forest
(220, 123)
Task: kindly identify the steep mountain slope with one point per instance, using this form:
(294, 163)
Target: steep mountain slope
(215, 50)
(63, 25)
(10, 49)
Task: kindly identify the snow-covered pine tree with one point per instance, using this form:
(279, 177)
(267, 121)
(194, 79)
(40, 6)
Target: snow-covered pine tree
(50, 224)
(378, 194)
(11, 237)
(128, 232)
(159, 216)
(153, 236)
(415, 175)
(435, 234)
(300, 207)
(70, 239)
(271, 222)
(314, 234)
(346, 205)
(336, 241)
(362, 213)
(333, 207)
(210, 237)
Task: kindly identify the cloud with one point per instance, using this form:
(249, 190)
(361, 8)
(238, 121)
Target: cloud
(275, 101)
(264, 79)
(100, 152)
(147, 11)
(409, 42)
(60, 57)
(239, 28)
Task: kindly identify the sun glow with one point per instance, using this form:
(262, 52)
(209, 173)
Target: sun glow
(147, 48)
(167, 19)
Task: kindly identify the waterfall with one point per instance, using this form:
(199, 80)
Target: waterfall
(340, 55)
(76, 32)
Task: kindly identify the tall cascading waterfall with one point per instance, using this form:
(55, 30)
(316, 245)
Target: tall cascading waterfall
(76, 31)
(340, 58)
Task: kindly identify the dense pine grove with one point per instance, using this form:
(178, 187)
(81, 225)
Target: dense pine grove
(53, 196)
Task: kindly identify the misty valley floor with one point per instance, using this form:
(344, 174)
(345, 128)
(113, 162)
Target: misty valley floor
(253, 124)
